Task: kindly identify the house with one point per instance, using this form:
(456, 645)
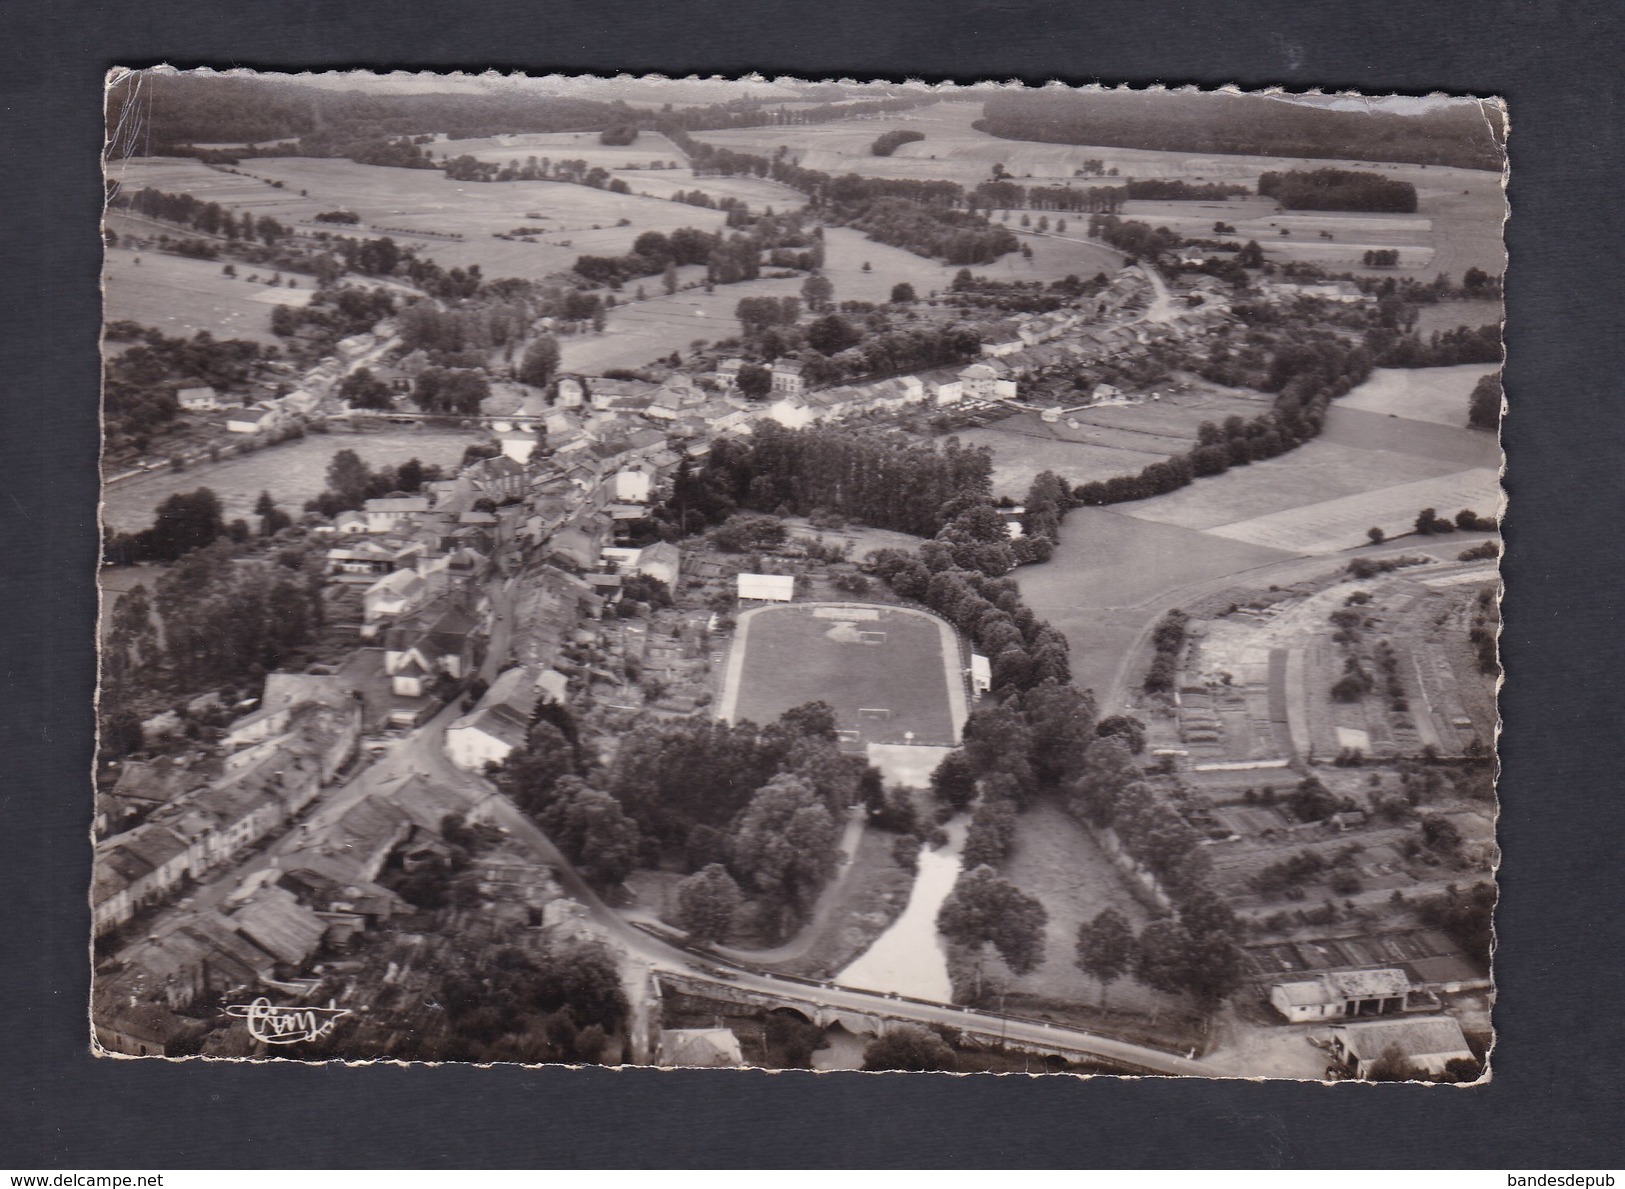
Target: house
(350, 522)
(773, 588)
(299, 403)
(942, 386)
(1001, 338)
(440, 640)
(699, 1048)
(978, 382)
(1429, 1043)
(572, 394)
(661, 561)
(633, 485)
(198, 400)
(728, 373)
(1339, 995)
(273, 919)
(395, 594)
(394, 513)
(792, 412)
(787, 378)
(605, 394)
(497, 726)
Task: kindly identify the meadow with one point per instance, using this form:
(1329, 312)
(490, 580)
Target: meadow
(292, 472)
(417, 207)
(1439, 395)
(180, 296)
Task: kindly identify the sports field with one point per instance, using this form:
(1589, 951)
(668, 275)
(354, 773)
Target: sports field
(892, 675)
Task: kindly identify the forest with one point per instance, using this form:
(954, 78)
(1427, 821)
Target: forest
(1338, 190)
(1467, 135)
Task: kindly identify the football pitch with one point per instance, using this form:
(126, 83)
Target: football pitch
(892, 675)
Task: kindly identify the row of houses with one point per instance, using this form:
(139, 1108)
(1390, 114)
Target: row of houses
(272, 770)
(266, 936)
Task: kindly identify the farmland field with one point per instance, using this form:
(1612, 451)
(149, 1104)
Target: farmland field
(1108, 440)
(181, 297)
(292, 472)
(400, 202)
(1464, 207)
(886, 671)
(1434, 394)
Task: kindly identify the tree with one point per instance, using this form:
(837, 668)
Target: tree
(707, 903)
(668, 279)
(754, 381)
(1105, 948)
(985, 909)
(592, 830)
(817, 291)
(363, 390)
(785, 845)
(832, 334)
(909, 1048)
(540, 362)
(1375, 535)
(349, 479)
(903, 293)
(1484, 409)
(954, 781)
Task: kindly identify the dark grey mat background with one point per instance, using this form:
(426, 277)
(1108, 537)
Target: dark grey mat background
(1556, 1099)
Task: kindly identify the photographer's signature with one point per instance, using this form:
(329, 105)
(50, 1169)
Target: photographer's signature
(287, 1025)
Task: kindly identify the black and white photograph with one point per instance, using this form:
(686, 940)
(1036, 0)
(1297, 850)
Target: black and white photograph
(758, 572)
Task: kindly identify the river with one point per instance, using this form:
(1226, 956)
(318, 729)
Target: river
(909, 958)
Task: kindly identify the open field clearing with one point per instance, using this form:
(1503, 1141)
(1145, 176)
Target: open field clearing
(642, 331)
(1422, 439)
(292, 472)
(886, 672)
(1342, 523)
(1435, 394)
(1465, 207)
(1098, 443)
(1447, 315)
(181, 297)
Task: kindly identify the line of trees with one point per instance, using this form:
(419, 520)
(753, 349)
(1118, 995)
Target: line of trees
(888, 143)
(208, 217)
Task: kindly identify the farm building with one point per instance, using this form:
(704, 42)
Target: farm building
(241, 420)
(1429, 1043)
(1340, 995)
(198, 400)
(774, 588)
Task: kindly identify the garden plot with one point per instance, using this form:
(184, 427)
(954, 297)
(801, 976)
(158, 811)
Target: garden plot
(1439, 395)
(181, 296)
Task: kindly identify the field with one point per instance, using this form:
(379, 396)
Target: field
(1099, 443)
(292, 472)
(1436, 394)
(1462, 207)
(1368, 468)
(399, 202)
(181, 297)
(888, 673)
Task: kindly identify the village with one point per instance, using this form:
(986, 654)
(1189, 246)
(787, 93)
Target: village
(339, 825)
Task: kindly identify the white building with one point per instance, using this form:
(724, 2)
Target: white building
(773, 588)
(198, 400)
(1340, 995)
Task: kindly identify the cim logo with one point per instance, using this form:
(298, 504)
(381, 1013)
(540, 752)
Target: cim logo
(287, 1025)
